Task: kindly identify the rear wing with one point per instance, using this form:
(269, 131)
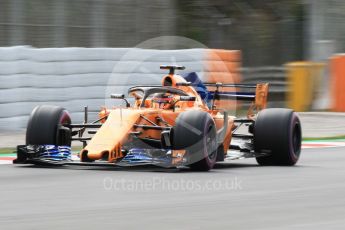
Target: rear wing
(256, 93)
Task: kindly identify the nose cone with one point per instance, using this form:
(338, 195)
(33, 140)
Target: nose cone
(115, 129)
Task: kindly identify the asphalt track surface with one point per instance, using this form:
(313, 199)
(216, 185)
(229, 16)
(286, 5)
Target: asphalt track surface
(236, 195)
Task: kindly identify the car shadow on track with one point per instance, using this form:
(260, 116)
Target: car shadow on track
(144, 168)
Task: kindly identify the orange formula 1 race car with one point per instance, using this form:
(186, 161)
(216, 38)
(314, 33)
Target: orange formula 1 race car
(176, 124)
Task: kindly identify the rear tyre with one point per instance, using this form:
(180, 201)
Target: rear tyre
(278, 133)
(45, 126)
(195, 131)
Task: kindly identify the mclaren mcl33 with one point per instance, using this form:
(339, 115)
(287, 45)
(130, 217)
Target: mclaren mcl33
(175, 124)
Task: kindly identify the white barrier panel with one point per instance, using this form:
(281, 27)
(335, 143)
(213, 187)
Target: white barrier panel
(76, 77)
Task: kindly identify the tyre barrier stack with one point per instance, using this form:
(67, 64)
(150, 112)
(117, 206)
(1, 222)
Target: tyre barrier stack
(76, 77)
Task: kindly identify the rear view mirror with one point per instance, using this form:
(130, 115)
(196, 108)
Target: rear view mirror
(117, 96)
(121, 97)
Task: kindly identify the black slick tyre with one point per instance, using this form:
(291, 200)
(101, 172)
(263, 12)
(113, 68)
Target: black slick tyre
(45, 126)
(195, 131)
(278, 133)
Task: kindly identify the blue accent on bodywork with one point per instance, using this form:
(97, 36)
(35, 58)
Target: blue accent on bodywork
(208, 96)
(234, 94)
(197, 84)
(55, 153)
(147, 156)
(137, 155)
(199, 87)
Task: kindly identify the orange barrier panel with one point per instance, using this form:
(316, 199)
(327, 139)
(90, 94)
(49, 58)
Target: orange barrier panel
(225, 55)
(337, 68)
(223, 66)
(223, 77)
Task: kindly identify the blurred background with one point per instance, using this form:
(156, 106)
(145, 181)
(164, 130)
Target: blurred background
(269, 32)
(290, 43)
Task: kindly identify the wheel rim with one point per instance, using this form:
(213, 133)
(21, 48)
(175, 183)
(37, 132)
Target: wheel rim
(297, 139)
(65, 119)
(211, 143)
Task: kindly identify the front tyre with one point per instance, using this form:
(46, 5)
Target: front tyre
(195, 131)
(45, 126)
(278, 133)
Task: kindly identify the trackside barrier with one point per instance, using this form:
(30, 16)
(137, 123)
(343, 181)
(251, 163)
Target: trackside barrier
(337, 70)
(223, 66)
(303, 79)
(76, 77)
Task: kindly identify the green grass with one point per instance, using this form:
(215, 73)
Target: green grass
(7, 150)
(333, 138)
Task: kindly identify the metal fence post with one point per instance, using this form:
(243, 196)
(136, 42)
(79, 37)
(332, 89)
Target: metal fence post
(59, 24)
(16, 20)
(98, 24)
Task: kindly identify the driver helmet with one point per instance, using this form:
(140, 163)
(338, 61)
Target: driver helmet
(162, 100)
